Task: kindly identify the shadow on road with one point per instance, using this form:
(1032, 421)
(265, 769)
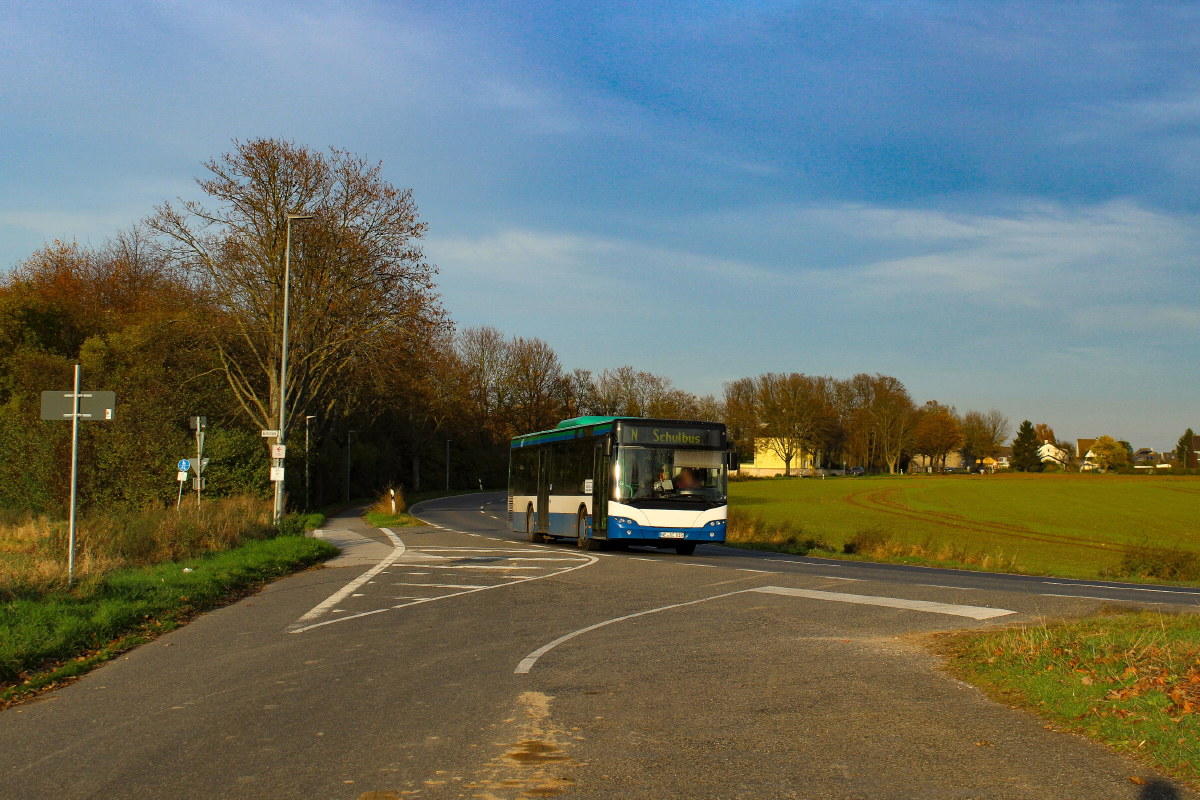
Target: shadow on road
(1158, 790)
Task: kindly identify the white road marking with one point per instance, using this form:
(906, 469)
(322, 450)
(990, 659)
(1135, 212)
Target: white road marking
(974, 612)
(451, 585)
(806, 563)
(523, 579)
(767, 571)
(528, 661)
(1105, 599)
(476, 566)
(336, 597)
(939, 586)
(710, 566)
(1123, 588)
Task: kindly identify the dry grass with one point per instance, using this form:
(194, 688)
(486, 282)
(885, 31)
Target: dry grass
(33, 550)
(872, 543)
(384, 504)
(1131, 680)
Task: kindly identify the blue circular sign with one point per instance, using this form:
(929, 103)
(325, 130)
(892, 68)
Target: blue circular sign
(184, 465)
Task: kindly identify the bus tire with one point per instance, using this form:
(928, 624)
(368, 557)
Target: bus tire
(531, 532)
(685, 549)
(581, 528)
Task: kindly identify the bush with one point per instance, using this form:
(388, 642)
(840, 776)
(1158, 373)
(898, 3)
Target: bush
(866, 541)
(784, 536)
(1157, 563)
(295, 524)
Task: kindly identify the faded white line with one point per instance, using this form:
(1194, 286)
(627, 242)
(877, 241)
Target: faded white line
(765, 571)
(452, 585)
(1122, 588)
(528, 661)
(1105, 599)
(591, 560)
(336, 597)
(974, 612)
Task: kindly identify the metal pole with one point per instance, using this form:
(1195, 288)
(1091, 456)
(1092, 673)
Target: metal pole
(287, 259)
(199, 474)
(74, 477)
(349, 434)
(447, 465)
(307, 492)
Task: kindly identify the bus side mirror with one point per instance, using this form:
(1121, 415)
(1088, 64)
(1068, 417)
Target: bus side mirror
(731, 460)
(607, 446)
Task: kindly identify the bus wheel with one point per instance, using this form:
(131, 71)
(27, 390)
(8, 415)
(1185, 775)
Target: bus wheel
(685, 549)
(531, 532)
(586, 542)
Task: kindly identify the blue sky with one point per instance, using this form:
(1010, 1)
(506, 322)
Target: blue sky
(995, 202)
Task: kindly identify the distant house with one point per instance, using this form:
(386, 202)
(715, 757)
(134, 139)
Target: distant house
(1048, 453)
(1082, 447)
(765, 462)
(919, 463)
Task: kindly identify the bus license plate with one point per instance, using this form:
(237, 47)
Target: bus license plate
(673, 534)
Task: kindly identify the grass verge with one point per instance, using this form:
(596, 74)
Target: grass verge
(1128, 679)
(1135, 528)
(63, 634)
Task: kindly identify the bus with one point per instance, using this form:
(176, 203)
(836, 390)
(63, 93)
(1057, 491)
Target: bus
(619, 481)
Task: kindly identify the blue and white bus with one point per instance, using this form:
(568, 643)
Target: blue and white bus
(621, 481)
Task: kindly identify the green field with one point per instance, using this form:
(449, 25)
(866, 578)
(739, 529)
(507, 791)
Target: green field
(1070, 525)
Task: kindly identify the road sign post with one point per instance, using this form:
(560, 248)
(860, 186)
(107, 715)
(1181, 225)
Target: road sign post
(76, 405)
(199, 425)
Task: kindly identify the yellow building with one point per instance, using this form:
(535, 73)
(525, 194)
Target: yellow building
(765, 462)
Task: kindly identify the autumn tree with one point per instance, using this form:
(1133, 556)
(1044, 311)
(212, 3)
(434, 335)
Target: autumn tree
(741, 414)
(1109, 453)
(937, 432)
(358, 276)
(1044, 433)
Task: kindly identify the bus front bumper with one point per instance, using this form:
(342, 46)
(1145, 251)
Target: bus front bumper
(621, 529)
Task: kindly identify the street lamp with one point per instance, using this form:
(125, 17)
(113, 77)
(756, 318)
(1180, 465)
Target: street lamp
(307, 493)
(287, 258)
(349, 434)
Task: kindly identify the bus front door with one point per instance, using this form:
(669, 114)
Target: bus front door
(543, 489)
(600, 471)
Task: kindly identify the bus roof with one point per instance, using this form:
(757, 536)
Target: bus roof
(600, 424)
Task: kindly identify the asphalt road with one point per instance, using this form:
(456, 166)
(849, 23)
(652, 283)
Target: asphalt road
(456, 661)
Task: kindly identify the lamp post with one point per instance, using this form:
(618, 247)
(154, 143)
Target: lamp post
(307, 492)
(349, 435)
(287, 259)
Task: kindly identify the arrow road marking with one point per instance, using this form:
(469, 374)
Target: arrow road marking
(974, 612)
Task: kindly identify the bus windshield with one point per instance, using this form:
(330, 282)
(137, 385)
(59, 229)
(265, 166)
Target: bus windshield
(664, 473)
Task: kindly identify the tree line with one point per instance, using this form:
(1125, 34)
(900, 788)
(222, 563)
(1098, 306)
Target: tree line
(182, 314)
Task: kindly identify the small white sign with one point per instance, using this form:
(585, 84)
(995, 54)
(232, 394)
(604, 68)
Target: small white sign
(270, 434)
(276, 474)
(181, 476)
(279, 451)
(587, 486)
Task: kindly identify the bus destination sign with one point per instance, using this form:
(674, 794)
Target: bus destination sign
(670, 436)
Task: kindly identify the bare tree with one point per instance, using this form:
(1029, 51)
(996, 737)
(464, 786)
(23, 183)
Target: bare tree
(790, 414)
(486, 357)
(358, 275)
(741, 414)
(892, 417)
(984, 433)
(535, 385)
